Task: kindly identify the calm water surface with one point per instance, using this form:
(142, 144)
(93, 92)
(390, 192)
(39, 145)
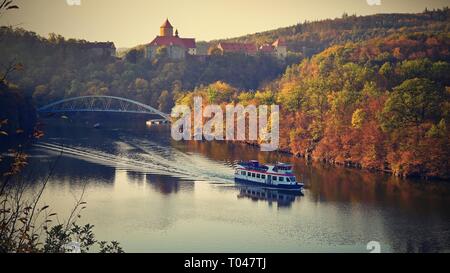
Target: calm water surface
(155, 195)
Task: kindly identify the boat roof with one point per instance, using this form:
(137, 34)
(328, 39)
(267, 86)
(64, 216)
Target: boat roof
(283, 164)
(256, 162)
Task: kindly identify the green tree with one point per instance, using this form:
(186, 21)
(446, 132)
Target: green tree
(265, 97)
(141, 85)
(358, 118)
(245, 97)
(75, 88)
(411, 103)
(132, 56)
(414, 68)
(165, 102)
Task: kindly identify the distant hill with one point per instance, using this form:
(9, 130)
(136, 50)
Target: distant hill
(310, 38)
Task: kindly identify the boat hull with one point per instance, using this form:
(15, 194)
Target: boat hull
(296, 187)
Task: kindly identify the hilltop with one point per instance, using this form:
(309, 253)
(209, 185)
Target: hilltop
(309, 38)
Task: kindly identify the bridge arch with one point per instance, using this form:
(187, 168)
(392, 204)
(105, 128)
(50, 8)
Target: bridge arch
(109, 104)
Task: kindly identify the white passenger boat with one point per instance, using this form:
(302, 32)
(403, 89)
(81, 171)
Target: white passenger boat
(278, 176)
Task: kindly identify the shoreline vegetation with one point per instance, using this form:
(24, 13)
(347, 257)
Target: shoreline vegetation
(349, 165)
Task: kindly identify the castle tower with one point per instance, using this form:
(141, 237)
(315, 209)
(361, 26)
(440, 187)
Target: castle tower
(281, 49)
(166, 29)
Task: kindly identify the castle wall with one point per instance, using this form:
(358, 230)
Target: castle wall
(173, 52)
(281, 52)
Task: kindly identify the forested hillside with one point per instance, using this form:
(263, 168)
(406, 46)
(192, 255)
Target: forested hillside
(380, 104)
(54, 68)
(309, 38)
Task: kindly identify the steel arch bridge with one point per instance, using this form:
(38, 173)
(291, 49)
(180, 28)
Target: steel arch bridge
(109, 104)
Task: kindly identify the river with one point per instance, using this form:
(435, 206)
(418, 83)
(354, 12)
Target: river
(153, 194)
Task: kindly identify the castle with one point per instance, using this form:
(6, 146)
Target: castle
(178, 48)
(277, 49)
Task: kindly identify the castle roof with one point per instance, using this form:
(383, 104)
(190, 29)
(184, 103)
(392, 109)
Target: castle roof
(174, 41)
(189, 42)
(266, 48)
(167, 24)
(238, 47)
(279, 42)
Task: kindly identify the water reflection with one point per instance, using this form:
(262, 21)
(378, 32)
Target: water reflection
(164, 184)
(66, 170)
(279, 197)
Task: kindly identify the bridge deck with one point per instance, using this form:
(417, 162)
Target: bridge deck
(106, 104)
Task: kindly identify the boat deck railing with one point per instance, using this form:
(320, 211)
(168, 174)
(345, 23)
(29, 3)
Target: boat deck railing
(253, 167)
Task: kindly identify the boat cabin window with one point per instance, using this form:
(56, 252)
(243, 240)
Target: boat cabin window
(288, 179)
(258, 176)
(253, 174)
(274, 178)
(281, 179)
(243, 173)
(263, 176)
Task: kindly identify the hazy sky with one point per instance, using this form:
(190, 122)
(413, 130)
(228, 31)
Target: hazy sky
(131, 22)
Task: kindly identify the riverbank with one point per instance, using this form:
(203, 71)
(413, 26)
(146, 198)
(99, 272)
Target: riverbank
(348, 164)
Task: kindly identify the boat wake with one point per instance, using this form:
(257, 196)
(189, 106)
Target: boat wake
(148, 158)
